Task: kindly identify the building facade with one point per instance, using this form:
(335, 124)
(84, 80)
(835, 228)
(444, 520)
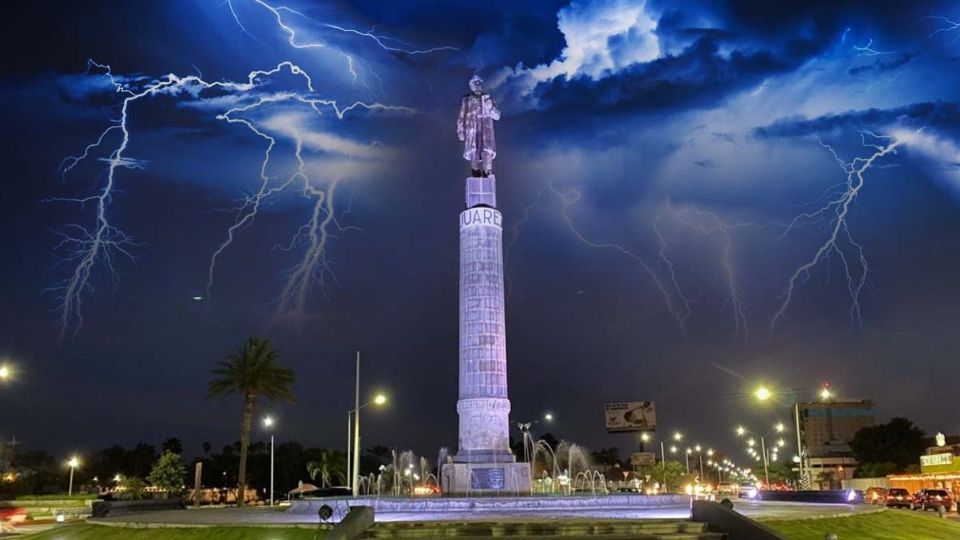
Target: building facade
(826, 429)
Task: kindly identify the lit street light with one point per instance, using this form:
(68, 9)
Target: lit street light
(379, 400)
(779, 428)
(6, 372)
(763, 393)
(73, 464)
(268, 423)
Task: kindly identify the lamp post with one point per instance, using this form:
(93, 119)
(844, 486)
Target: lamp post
(73, 464)
(687, 456)
(699, 450)
(6, 372)
(779, 428)
(825, 394)
(379, 399)
(349, 446)
(268, 423)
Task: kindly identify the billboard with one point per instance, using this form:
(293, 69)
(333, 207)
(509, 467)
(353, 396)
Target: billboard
(639, 459)
(631, 416)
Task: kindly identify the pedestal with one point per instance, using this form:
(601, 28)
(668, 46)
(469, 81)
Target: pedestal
(485, 478)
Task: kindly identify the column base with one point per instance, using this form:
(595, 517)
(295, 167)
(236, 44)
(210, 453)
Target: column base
(485, 478)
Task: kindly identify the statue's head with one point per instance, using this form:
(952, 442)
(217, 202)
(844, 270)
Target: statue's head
(476, 84)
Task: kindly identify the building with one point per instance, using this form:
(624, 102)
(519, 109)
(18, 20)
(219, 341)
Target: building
(826, 429)
(939, 468)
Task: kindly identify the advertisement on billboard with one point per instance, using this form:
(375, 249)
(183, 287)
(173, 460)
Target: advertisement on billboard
(631, 416)
(640, 459)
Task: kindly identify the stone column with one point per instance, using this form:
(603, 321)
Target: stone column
(484, 462)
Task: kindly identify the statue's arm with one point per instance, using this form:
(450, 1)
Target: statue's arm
(461, 120)
(494, 110)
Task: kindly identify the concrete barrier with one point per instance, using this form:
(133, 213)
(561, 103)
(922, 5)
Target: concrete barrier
(115, 508)
(354, 525)
(735, 525)
(835, 496)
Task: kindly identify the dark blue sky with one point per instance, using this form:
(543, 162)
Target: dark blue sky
(692, 192)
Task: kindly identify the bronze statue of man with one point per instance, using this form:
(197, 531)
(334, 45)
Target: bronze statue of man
(475, 128)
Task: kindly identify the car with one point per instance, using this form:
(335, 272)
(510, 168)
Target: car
(12, 515)
(932, 499)
(875, 495)
(898, 497)
(748, 490)
(726, 488)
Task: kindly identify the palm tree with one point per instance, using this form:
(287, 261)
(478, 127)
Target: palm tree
(329, 465)
(253, 371)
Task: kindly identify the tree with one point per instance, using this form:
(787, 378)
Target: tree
(898, 441)
(253, 371)
(172, 444)
(329, 465)
(780, 471)
(168, 473)
(131, 488)
(674, 472)
(874, 470)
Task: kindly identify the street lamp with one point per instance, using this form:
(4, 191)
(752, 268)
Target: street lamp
(779, 428)
(378, 400)
(6, 372)
(548, 417)
(689, 451)
(763, 393)
(267, 424)
(73, 463)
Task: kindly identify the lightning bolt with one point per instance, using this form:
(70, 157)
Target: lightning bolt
(387, 43)
(674, 300)
(945, 25)
(868, 50)
(103, 242)
(710, 224)
(839, 241)
(85, 247)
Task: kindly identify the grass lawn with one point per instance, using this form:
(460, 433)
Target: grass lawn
(100, 532)
(885, 525)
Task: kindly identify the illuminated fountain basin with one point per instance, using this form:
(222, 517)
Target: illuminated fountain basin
(618, 506)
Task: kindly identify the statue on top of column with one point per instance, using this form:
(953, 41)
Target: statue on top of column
(475, 128)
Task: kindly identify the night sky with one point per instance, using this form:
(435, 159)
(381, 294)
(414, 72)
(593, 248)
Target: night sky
(671, 176)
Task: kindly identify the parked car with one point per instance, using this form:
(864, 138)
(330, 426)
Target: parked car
(11, 515)
(898, 497)
(875, 495)
(931, 499)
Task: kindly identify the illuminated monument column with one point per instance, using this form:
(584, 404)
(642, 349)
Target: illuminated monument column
(484, 463)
